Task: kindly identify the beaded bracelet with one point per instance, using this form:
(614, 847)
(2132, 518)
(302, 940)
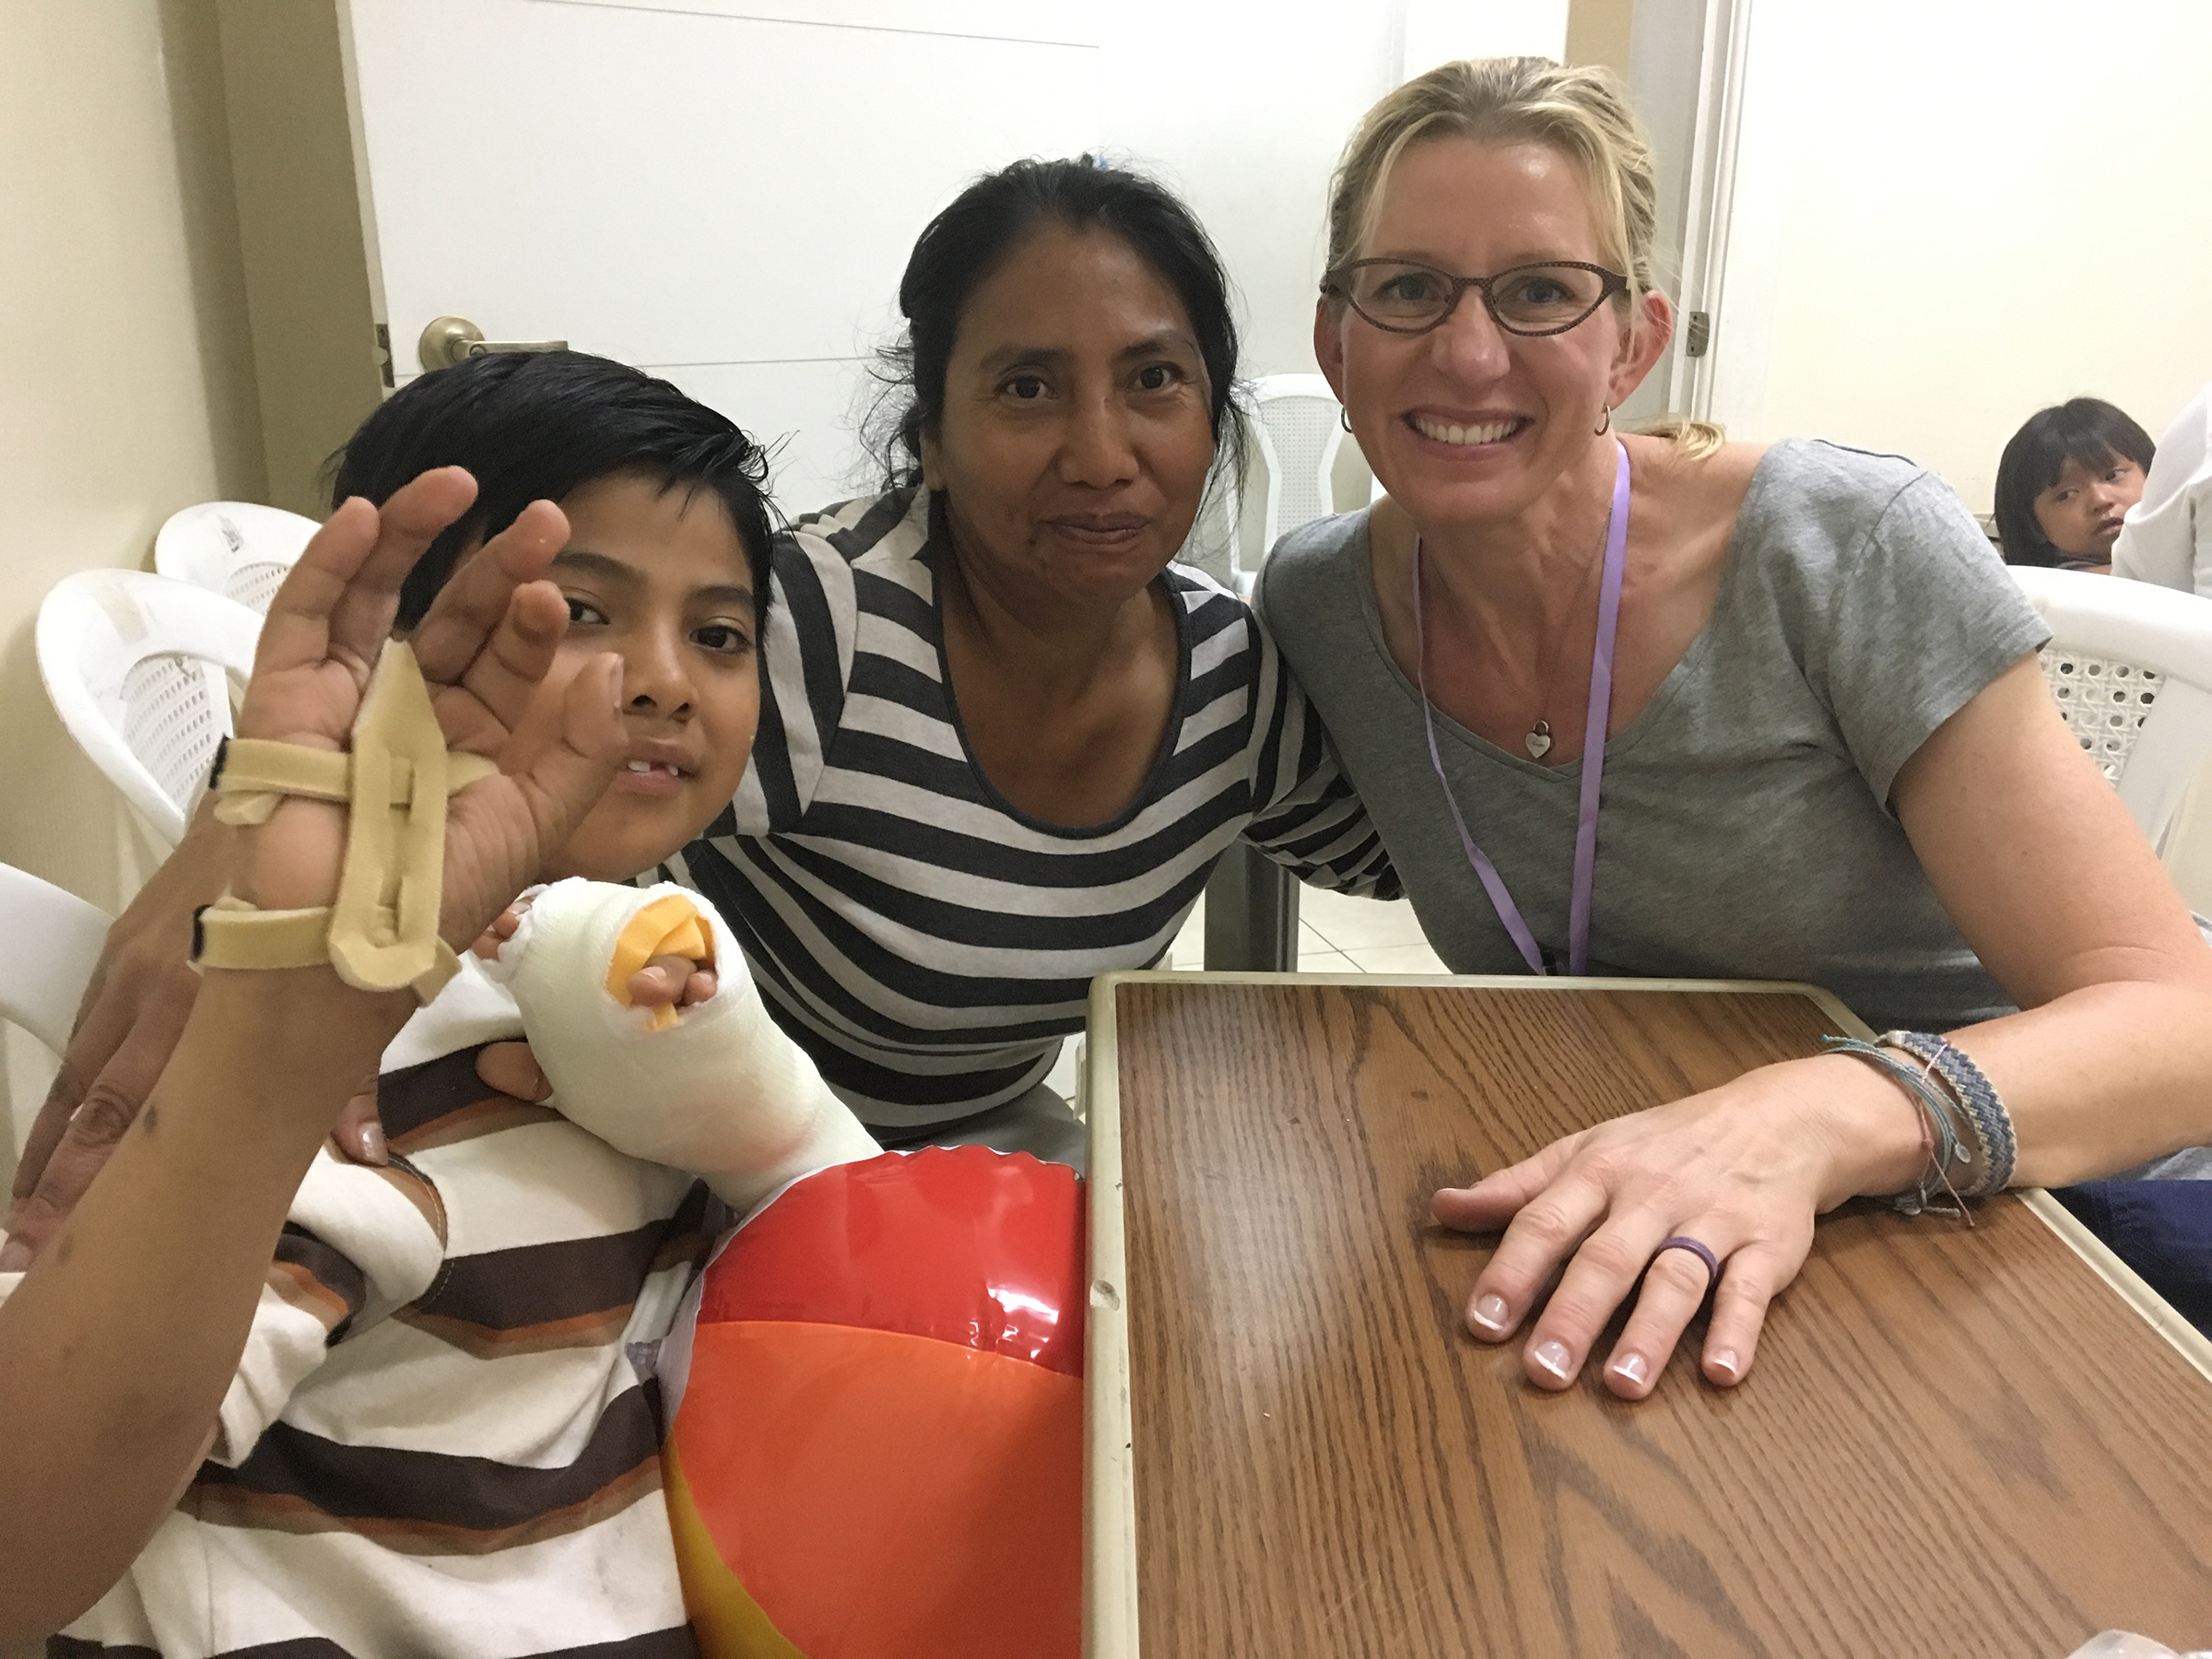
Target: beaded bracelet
(1939, 1141)
(1977, 1096)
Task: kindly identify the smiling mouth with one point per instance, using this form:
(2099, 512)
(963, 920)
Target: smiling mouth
(651, 778)
(1467, 437)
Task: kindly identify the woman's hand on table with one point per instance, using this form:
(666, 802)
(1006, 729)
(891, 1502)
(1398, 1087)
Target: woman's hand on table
(1743, 1169)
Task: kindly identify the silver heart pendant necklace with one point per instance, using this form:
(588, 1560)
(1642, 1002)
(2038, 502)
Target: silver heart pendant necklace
(1538, 740)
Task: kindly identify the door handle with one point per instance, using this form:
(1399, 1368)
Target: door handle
(450, 339)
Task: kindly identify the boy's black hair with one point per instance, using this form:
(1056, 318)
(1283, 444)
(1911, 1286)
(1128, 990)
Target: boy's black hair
(986, 222)
(537, 426)
(2086, 430)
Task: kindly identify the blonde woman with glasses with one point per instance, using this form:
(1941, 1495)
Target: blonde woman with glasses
(1660, 704)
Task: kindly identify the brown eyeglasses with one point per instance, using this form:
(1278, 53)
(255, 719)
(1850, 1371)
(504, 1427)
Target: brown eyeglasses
(1406, 297)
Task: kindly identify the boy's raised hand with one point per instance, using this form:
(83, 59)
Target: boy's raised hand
(490, 660)
(494, 626)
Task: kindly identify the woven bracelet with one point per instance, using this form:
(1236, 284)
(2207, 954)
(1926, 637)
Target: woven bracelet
(1940, 1134)
(1977, 1096)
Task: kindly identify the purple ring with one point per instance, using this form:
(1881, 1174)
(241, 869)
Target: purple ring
(1684, 1241)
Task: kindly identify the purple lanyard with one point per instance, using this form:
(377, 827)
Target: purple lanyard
(1594, 746)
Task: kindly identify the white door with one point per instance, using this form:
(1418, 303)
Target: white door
(1686, 73)
(723, 193)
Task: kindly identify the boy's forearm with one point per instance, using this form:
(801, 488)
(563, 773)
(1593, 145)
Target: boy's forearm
(116, 1349)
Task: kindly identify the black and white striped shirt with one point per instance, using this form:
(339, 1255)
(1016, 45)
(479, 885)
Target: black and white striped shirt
(925, 940)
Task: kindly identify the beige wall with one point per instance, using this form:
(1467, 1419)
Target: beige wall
(317, 367)
(1945, 220)
(128, 389)
(1600, 31)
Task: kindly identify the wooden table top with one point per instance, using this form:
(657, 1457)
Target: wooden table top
(1955, 1442)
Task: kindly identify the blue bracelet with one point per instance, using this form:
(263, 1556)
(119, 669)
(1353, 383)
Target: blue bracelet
(1977, 1096)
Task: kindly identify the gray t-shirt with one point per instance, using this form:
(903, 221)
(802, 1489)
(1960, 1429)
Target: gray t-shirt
(1744, 832)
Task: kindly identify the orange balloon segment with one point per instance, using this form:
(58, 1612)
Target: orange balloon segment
(875, 1495)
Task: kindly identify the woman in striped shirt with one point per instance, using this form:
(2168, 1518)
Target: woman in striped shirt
(1003, 738)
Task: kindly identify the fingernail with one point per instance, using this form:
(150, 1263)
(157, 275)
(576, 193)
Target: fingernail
(1632, 1367)
(1489, 1312)
(14, 1256)
(1552, 1356)
(371, 1143)
(1727, 1364)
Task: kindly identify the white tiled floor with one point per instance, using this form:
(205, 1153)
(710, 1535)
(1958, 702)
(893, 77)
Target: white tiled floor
(1335, 934)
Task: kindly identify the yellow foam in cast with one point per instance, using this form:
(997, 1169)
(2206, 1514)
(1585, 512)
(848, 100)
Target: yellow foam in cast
(382, 933)
(727, 1620)
(719, 1089)
(670, 926)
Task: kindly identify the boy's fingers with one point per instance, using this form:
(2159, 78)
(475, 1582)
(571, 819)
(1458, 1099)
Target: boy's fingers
(341, 596)
(497, 688)
(660, 983)
(511, 1069)
(470, 609)
(567, 748)
(297, 629)
(412, 517)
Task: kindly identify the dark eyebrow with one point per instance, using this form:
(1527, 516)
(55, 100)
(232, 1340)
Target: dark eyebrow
(1167, 339)
(729, 594)
(1006, 357)
(584, 561)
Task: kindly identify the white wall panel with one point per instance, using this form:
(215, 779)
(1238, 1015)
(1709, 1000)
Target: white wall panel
(806, 412)
(1948, 216)
(671, 187)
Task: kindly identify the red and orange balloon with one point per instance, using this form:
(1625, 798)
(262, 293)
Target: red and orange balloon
(879, 1452)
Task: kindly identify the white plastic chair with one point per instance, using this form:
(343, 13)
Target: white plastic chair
(1211, 546)
(1298, 425)
(140, 669)
(54, 939)
(2131, 667)
(239, 549)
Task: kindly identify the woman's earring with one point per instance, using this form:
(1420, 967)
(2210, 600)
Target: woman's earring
(1344, 415)
(1607, 427)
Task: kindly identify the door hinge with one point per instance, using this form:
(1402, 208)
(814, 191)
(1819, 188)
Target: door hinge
(1696, 333)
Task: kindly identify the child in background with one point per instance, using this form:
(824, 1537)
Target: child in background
(423, 1429)
(2168, 537)
(2066, 481)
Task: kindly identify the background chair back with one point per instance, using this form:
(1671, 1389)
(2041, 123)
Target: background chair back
(239, 549)
(1212, 544)
(2130, 665)
(141, 669)
(54, 939)
(1297, 422)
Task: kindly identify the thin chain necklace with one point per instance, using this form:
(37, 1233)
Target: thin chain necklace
(1593, 749)
(1538, 740)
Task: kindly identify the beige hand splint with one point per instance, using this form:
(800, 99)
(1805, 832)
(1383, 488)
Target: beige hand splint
(382, 932)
